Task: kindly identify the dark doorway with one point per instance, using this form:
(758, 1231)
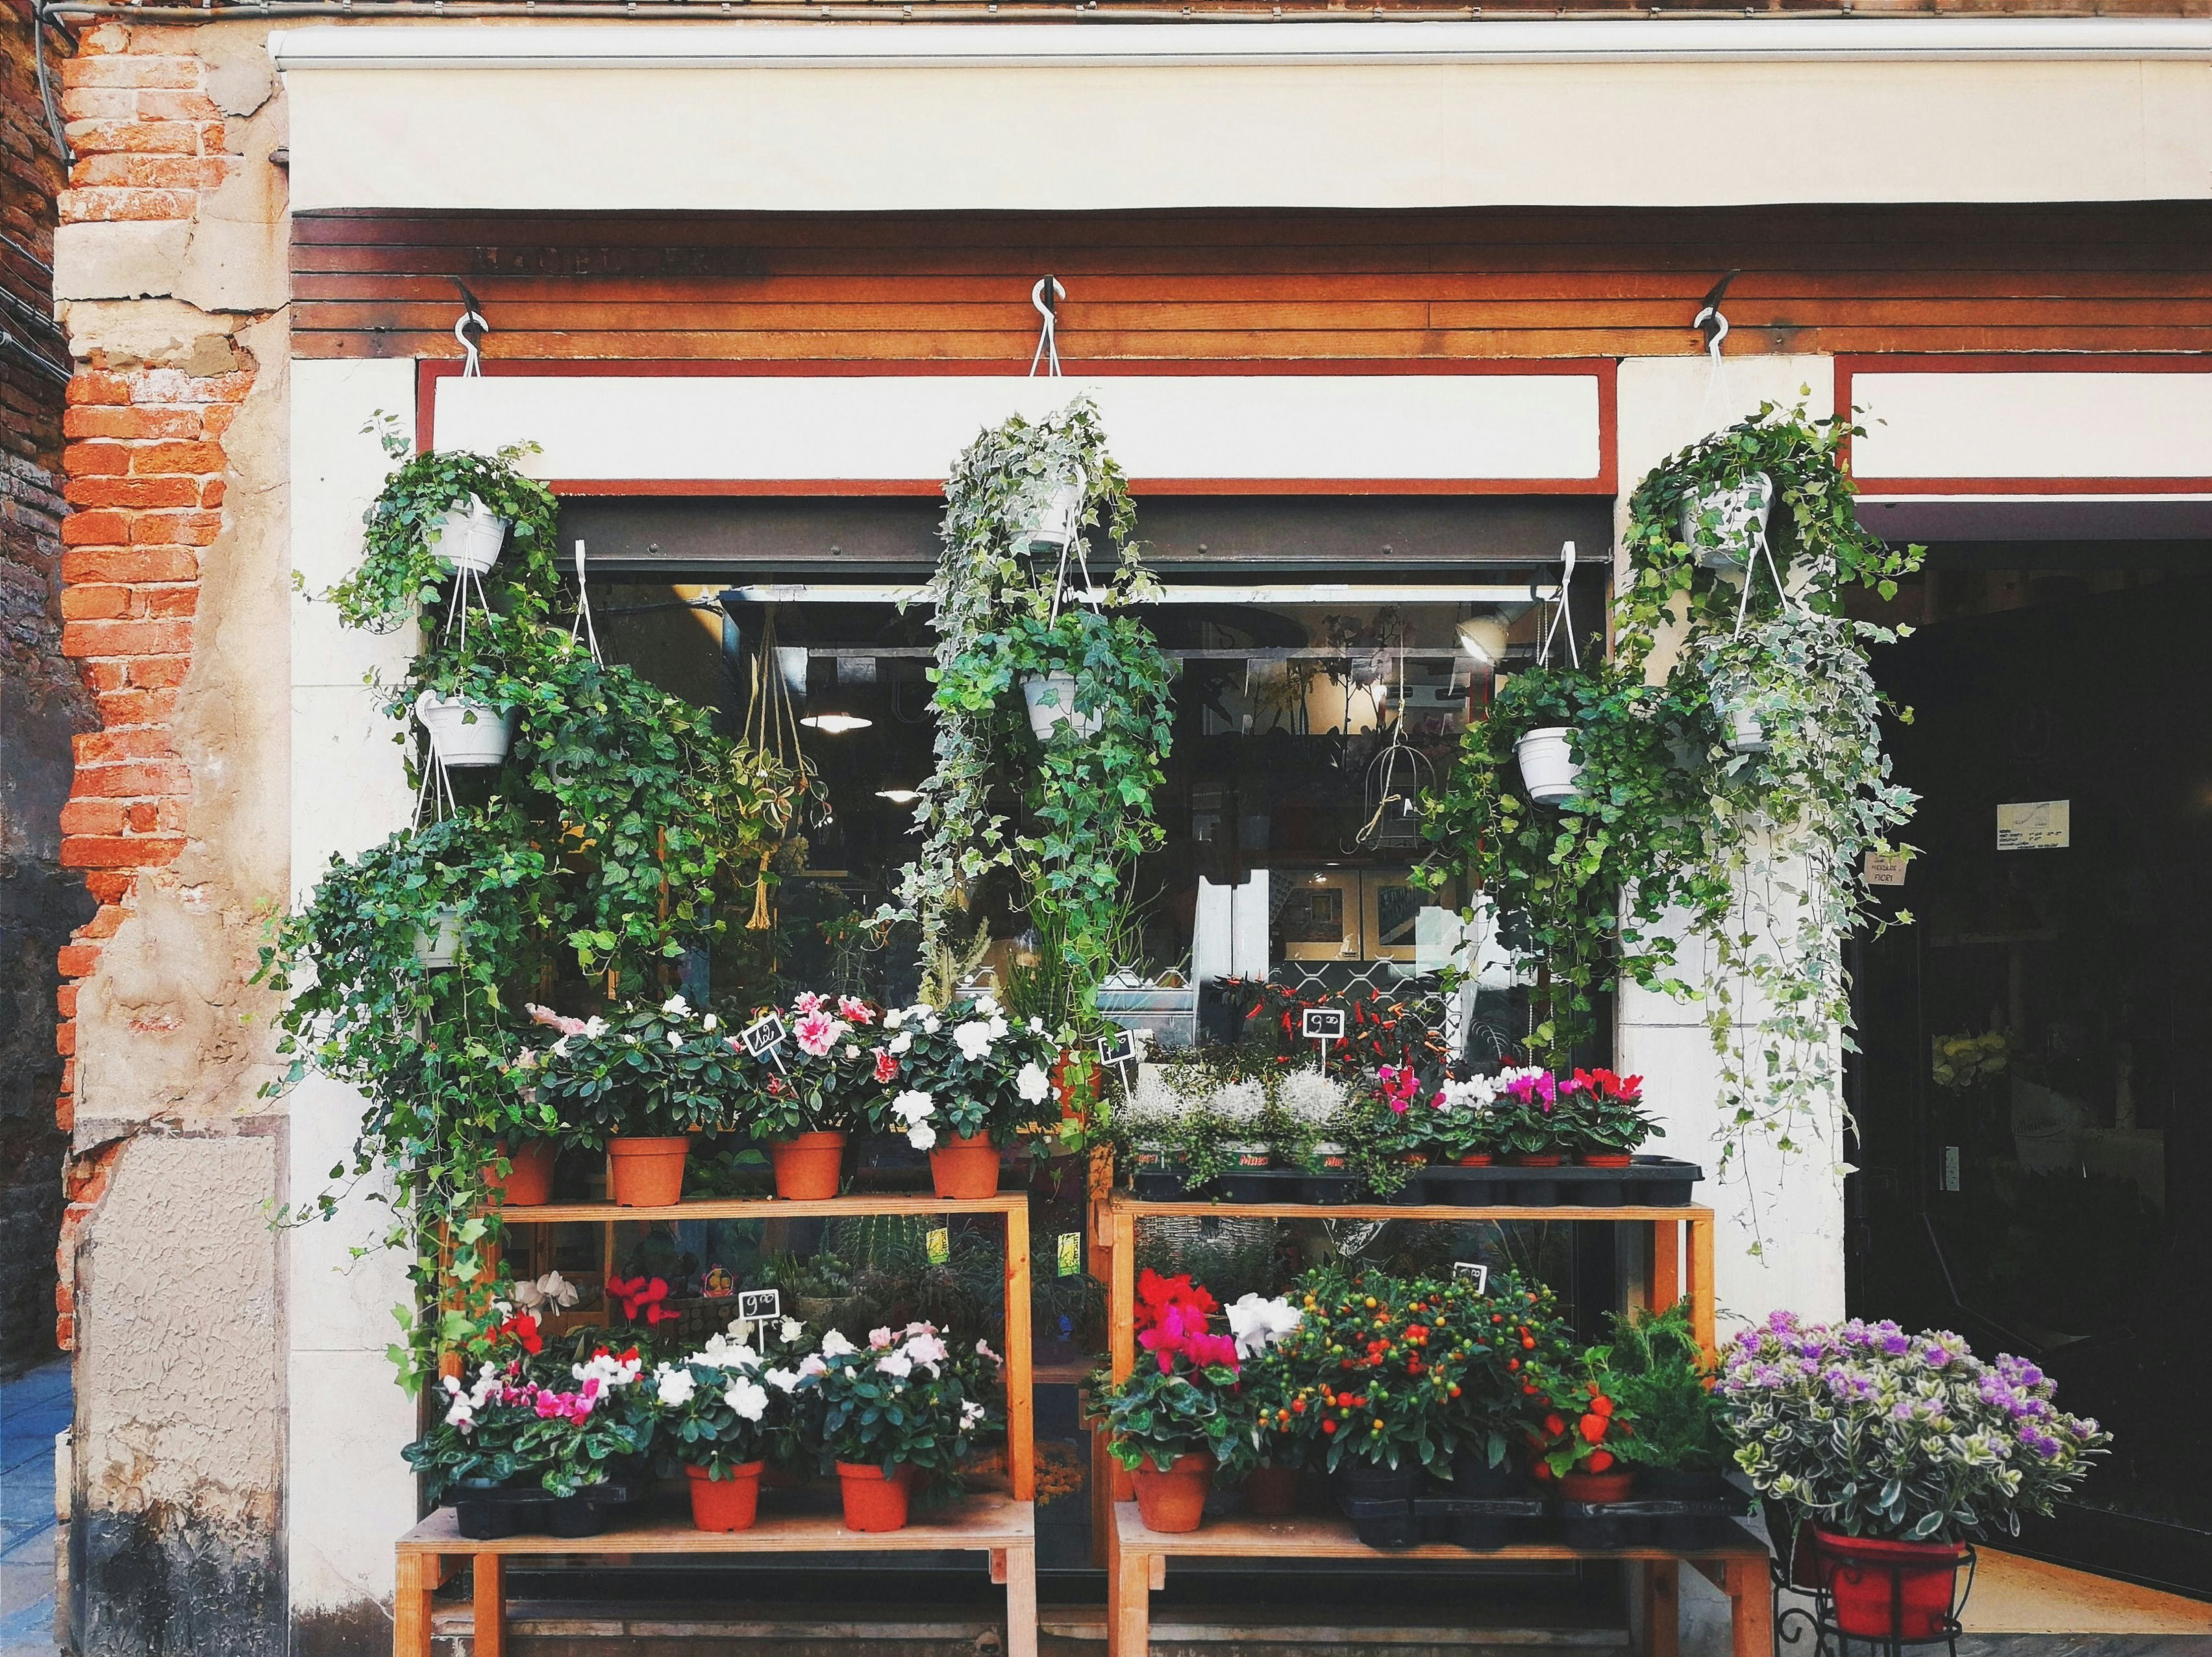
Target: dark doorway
(2035, 1128)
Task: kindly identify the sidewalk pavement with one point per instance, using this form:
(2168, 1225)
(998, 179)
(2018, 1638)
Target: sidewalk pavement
(33, 1407)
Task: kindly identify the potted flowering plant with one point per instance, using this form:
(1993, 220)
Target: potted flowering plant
(1176, 1417)
(1461, 1121)
(1258, 1325)
(806, 1098)
(1531, 1129)
(1576, 1445)
(1602, 1118)
(1314, 1112)
(1898, 1449)
(969, 1080)
(719, 1416)
(904, 1406)
(639, 1085)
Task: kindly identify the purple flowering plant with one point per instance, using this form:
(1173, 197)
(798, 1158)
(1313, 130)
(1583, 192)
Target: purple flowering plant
(1870, 1431)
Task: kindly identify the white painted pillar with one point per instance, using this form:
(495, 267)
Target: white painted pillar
(1799, 1205)
(348, 1494)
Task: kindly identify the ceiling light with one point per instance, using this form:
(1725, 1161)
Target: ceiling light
(1483, 637)
(836, 724)
(899, 796)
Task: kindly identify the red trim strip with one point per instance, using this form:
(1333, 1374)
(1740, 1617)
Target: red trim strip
(1604, 370)
(1848, 368)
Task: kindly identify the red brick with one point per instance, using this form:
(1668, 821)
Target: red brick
(126, 638)
(106, 103)
(149, 172)
(66, 1039)
(191, 529)
(173, 105)
(216, 420)
(91, 604)
(102, 39)
(125, 206)
(132, 492)
(64, 1326)
(131, 72)
(129, 564)
(108, 886)
(211, 492)
(141, 818)
(85, 1179)
(175, 457)
(98, 385)
(134, 138)
(92, 816)
(124, 851)
(99, 422)
(106, 675)
(95, 460)
(65, 1001)
(120, 710)
(131, 780)
(107, 747)
(160, 672)
(77, 960)
(96, 529)
(174, 385)
(167, 601)
(105, 923)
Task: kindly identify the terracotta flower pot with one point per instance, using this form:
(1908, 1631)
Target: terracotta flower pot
(1884, 1590)
(1174, 1501)
(726, 1504)
(807, 1165)
(964, 1166)
(529, 1181)
(1536, 1159)
(1604, 1158)
(1613, 1486)
(1271, 1492)
(1076, 1096)
(873, 1502)
(1480, 1160)
(646, 1173)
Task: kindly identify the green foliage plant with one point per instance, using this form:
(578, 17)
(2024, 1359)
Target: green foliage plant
(1654, 1367)
(646, 1072)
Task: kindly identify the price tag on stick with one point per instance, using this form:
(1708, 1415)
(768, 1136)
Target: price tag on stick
(757, 1309)
(1469, 1269)
(1323, 1025)
(763, 1036)
(1119, 1049)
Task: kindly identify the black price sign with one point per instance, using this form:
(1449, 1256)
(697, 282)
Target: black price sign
(763, 1036)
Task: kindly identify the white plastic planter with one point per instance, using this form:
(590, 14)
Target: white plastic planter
(1548, 767)
(470, 537)
(442, 948)
(1050, 528)
(465, 732)
(1745, 734)
(1051, 699)
(1741, 514)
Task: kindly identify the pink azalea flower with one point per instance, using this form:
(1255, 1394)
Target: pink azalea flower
(887, 1068)
(854, 1010)
(807, 1003)
(817, 1032)
(553, 1020)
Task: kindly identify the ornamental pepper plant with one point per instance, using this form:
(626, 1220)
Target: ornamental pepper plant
(1582, 1431)
(1372, 1372)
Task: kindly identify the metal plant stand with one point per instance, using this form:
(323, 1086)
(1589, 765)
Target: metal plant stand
(1796, 1621)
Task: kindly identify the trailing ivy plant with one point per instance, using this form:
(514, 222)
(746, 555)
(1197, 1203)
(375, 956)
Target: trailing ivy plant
(1002, 615)
(400, 576)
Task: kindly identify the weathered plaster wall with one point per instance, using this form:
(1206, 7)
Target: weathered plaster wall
(42, 702)
(170, 277)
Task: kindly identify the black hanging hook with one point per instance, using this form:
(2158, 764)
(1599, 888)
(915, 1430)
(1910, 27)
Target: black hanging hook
(1710, 324)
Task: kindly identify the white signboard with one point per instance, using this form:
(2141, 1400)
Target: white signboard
(2035, 825)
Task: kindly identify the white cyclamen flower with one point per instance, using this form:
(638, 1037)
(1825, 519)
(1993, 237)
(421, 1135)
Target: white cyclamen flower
(973, 1038)
(675, 1386)
(748, 1399)
(1033, 1083)
(1258, 1324)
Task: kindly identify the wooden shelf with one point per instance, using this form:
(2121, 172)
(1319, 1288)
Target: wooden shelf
(1328, 1537)
(1123, 1203)
(982, 1520)
(767, 1208)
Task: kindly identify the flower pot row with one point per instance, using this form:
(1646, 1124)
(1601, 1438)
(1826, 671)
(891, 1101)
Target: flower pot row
(1539, 1182)
(647, 1172)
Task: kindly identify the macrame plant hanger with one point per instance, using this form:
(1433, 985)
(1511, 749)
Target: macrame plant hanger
(581, 625)
(772, 728)
(469, 329)
(1563, 614)
(1045, 297)
(1383, 778)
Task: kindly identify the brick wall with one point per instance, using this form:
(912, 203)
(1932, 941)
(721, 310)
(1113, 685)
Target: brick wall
(41, 702)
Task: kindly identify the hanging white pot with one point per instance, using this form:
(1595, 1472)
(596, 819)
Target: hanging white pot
(440, 944)
(1740, 728)
(470, 537)
(1740, 517)
(1051, 699)
(463, 731)
(1548, 767)
(1048, 527)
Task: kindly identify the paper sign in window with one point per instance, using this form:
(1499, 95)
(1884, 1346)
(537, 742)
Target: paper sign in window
(2035, 825)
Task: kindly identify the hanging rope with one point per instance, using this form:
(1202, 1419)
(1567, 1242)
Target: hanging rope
(470, 329)
(582, 626)
(1048, 345)
(1564, 613)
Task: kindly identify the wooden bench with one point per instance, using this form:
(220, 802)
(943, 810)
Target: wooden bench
(1137, 1563)
(984, 1522)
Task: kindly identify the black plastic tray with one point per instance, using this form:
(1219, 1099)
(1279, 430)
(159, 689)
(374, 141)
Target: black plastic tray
(1381, 1524)
(1481, 1522)
(1649, 1182)
(1656, 1523)
(487, 1515)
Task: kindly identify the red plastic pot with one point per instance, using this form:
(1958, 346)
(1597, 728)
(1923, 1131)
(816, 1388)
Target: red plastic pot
(726, 1504)
(1536, 1159)
(1270, 1492)
(873, 1502)
(529, 1181)
(1887, 1590)
(1613, 1486)
(807, 1165)
(1174, 1501)
(1481, 1161)
(1605, 1159)
(966, 1166)
(646, 1173)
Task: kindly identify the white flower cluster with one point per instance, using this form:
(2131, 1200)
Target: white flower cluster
(1309, 1098)
(914, 1107)
(899, 1354)
(1258, 1324)
(466, 1401)
(608, 1370)
(550, 1293)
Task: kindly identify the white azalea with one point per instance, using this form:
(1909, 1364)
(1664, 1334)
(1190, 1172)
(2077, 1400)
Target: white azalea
(987, 1003)
(812, 1365)
(973, 1038)
(926, 1350)
(710, 1022)
(901, 1042)
(1033, 1083)
(675, 1007)
(998, 1026)
(897, 1365)
(931, 1023)
(893, 1017)
(675, 1386)
(970, 1413)
(789, 1331)
(1036, 1026)
(783, 1380)
(835, 1345)
(594, 1028)
(921, 1136)
(748, 1399)
(560, 1048)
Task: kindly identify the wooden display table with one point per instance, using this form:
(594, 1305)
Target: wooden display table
(1137, 1563)
(983, 1523)
(1012, 1207)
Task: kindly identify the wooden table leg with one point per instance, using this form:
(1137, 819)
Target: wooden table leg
(1021, 1602)
(1121, 1324)
(491, 1639)
(1751, 1608)
(410, 1606)
(1666, 1279)
(1021, 1425)
(1131, 1586)
(1700, 1284)
(1662, 1583)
